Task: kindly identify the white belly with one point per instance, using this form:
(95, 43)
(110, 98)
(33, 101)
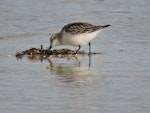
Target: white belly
(80, 39)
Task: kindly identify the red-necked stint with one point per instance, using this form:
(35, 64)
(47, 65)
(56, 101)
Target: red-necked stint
(76, 34)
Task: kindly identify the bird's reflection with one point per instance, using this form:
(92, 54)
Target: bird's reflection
(72, 70)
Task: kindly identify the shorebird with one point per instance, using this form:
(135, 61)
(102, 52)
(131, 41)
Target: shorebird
(76, 34)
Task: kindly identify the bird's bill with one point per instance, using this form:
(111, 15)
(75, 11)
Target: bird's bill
(50, 47)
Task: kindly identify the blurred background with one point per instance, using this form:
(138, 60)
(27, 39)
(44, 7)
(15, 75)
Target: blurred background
(117, 81)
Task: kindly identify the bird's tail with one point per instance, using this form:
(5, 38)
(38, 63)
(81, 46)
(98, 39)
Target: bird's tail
(105, 26)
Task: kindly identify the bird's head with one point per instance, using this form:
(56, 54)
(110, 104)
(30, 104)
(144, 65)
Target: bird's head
(54, 40)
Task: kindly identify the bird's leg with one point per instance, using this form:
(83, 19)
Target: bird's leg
(78, 49)
(89, 48)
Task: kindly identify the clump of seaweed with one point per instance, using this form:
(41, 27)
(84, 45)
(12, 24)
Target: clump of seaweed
(41, 53)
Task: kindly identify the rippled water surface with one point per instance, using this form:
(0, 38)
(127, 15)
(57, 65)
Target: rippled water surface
(115, 81)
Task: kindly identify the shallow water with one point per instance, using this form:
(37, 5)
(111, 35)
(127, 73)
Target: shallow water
(116, 81)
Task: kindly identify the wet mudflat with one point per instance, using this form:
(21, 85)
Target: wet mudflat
(115, 81)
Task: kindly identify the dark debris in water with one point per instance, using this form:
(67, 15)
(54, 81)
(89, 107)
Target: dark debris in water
(41, 54)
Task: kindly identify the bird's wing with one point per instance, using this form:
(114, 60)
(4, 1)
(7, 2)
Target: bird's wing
(79, 28)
